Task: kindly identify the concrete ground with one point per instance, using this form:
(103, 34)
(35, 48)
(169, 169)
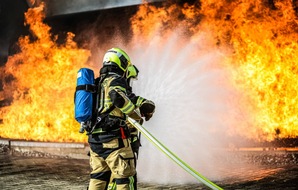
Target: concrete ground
(48, 172)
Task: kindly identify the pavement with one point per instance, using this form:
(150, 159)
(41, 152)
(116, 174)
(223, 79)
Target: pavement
(35, 170)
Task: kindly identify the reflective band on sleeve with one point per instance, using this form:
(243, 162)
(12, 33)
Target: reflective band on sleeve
(174, 157)
(139, 101)
(128, 108)
(117, 88)
(108, 102)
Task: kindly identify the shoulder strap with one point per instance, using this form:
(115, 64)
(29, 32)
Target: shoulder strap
(88, 87)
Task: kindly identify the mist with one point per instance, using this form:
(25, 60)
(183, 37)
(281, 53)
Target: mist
(192, 106)
(195, 116)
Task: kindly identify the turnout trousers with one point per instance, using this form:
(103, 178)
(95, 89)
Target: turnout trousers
(114, 158)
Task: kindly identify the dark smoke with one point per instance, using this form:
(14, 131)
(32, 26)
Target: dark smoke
(58, 7)
(12, 26)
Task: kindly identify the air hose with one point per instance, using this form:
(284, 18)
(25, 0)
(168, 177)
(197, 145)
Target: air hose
(171, 155)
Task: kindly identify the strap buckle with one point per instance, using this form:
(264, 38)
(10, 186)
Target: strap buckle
(87, 87)
(122, 123)
(90, 88)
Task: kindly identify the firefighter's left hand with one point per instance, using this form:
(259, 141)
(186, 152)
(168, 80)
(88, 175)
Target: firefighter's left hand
(135, 143)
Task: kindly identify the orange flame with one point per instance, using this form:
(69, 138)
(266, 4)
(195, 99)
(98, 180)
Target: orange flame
(261, 44)
(42, 86)
(263, 65)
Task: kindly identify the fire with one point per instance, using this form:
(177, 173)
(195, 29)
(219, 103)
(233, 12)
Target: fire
(42, 82)
(259, 40)
(263, 64)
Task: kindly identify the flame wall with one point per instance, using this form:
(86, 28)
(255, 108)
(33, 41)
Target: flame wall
(40, 80)
(258, 41)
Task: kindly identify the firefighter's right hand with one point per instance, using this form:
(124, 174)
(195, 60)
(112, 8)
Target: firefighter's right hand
(147, 109)
(148, 116)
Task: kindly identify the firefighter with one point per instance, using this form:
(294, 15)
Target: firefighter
(110, 148)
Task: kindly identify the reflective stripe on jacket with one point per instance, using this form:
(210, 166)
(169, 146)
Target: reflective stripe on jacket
(115, 95)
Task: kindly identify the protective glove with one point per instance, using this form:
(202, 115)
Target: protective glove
(148, 116)
(147, 109)
(135, 143)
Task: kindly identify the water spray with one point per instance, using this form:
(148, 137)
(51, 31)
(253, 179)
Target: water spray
(171, 155)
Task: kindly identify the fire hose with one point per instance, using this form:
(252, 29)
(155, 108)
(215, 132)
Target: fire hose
(171, 155)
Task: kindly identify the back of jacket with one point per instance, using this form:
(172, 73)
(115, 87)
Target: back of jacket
(115, 94)
(116, 104)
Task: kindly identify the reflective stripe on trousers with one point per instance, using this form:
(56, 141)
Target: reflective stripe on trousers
(127, 183)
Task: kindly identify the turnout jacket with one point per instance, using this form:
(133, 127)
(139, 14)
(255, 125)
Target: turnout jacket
(116, 106)
(115, 94)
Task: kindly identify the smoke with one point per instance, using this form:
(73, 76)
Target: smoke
(57, 7)
(11, 24)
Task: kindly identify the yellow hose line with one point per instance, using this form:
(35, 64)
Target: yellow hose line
(171, 155)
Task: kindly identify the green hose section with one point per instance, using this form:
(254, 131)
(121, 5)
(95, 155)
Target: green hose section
(174, 157)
